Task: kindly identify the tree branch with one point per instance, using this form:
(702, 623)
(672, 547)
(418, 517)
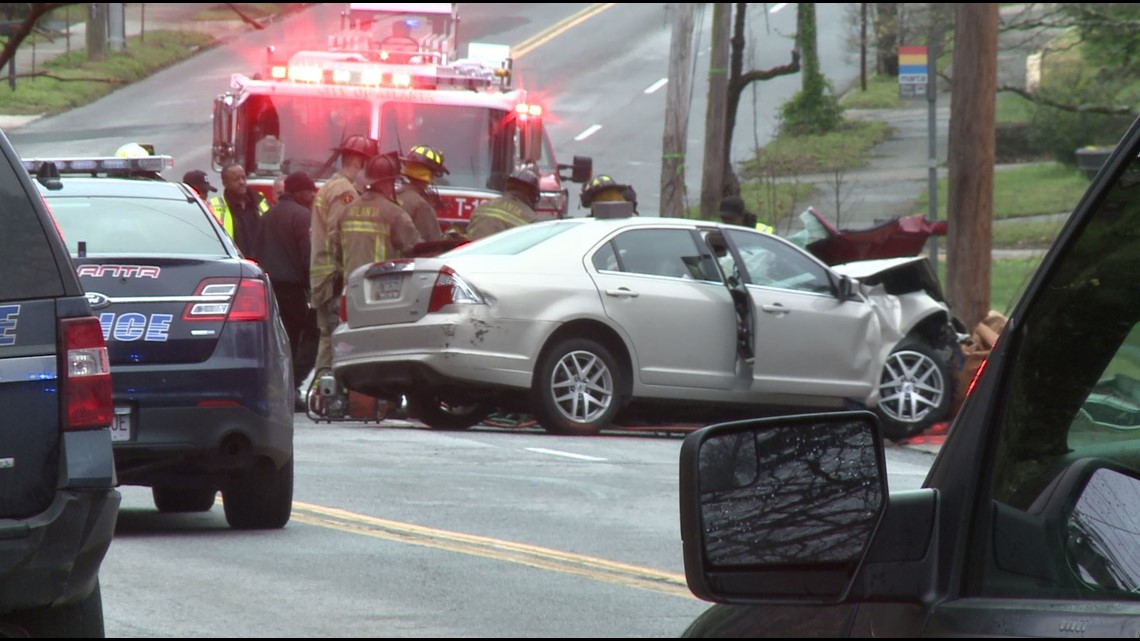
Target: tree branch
(245, 18)
(768, 74)
(1037, 98)
(17, 37)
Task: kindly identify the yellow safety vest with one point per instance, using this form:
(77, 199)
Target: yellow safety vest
(222, 212)
(767, 229)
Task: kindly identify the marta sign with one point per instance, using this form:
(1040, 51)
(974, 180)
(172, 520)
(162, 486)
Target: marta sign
(913, 76)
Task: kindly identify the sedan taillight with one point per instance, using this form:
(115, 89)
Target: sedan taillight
(245, 299)
(450, 289)
(85, 375)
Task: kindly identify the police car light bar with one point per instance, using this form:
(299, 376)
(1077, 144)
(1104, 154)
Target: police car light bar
(102, 164)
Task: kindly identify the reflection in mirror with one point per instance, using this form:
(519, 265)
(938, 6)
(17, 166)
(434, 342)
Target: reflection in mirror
(1103, 538)
(790, 494)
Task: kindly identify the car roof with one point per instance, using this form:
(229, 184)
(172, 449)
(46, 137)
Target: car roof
(108, 186)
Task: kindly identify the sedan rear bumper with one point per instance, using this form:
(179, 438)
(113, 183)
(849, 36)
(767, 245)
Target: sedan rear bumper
(437, 350)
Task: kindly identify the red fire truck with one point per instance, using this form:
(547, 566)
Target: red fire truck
(391, 73)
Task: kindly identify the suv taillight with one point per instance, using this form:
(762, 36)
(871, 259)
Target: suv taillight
(450, 289)
(85, 375)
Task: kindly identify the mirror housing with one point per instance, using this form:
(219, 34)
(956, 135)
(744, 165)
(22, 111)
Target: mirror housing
(581, 171)
(781, 510)
(222, 150)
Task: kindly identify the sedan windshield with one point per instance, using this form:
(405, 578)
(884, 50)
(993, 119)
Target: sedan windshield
(135, 226)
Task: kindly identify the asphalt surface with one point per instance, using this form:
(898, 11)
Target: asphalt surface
(898, 172)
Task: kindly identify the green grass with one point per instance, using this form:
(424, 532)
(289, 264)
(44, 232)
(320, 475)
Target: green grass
(1027, 190)
(1008, 278)
(849, 147)
(882, 93)
(71, 80)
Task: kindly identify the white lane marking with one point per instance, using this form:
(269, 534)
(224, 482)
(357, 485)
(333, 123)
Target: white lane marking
(542, 450)
(590, 131)
(776, 7)
(657, 85)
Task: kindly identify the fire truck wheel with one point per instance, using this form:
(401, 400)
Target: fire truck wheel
(441, 413)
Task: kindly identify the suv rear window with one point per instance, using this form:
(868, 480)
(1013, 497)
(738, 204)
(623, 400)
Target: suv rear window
(29, 268)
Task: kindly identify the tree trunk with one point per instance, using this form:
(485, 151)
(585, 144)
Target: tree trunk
(712, 185)
(973, 100)
(674, 200)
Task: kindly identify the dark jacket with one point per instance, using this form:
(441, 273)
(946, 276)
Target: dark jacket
(282, 245)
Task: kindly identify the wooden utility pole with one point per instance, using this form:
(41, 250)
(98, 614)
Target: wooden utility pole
(973, 103)
(674, 200)
(97, 31)
(712, 182)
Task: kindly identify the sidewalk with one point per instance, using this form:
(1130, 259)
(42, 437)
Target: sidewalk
(138, 18)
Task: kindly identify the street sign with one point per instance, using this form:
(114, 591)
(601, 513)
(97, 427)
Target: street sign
(913, 77)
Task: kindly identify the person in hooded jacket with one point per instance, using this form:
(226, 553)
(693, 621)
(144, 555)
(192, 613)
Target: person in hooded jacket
(282, 247)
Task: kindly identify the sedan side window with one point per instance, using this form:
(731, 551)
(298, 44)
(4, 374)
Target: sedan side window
(772, 263)
(672, 253)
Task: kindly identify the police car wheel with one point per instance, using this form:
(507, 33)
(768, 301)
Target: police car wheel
(259, 497)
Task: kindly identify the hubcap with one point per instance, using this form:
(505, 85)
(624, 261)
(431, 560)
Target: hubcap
(911, 387)
(582, 386)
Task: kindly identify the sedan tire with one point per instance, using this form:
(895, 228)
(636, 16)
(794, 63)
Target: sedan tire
(577, 387)
(914, 390)
(440, 413)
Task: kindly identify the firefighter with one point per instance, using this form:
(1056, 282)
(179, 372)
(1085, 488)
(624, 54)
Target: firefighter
(328, 206)
(239, 209)
(374, 227)
(417, 195)
(603, 188)
(513, 209)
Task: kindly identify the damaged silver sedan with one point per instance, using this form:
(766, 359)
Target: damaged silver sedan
(590, 323)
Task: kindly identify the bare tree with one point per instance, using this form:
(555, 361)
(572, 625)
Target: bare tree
(738, 81)
(26, 27)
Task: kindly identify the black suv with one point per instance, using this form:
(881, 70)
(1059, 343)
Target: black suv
(1028, 523)
(58, 502)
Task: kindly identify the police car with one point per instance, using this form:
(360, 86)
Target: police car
(202, 383)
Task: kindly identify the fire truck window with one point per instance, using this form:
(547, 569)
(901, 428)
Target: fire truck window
(470, 139)
(306, 129)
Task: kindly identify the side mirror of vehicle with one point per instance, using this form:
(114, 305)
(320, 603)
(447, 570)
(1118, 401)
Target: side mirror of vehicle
(781, 510)
(845, 288)
(580, 171)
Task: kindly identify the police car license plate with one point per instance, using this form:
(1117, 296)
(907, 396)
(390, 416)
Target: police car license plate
(387, 287)
(121, 425)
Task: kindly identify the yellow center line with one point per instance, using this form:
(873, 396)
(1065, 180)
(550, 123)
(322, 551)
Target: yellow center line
(548, 34)
(486, 547)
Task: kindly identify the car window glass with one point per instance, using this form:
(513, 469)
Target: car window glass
(30, 269)
(136, 225)
(515, 240)
(1073, 393)
(659, 252)
(771, 263)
